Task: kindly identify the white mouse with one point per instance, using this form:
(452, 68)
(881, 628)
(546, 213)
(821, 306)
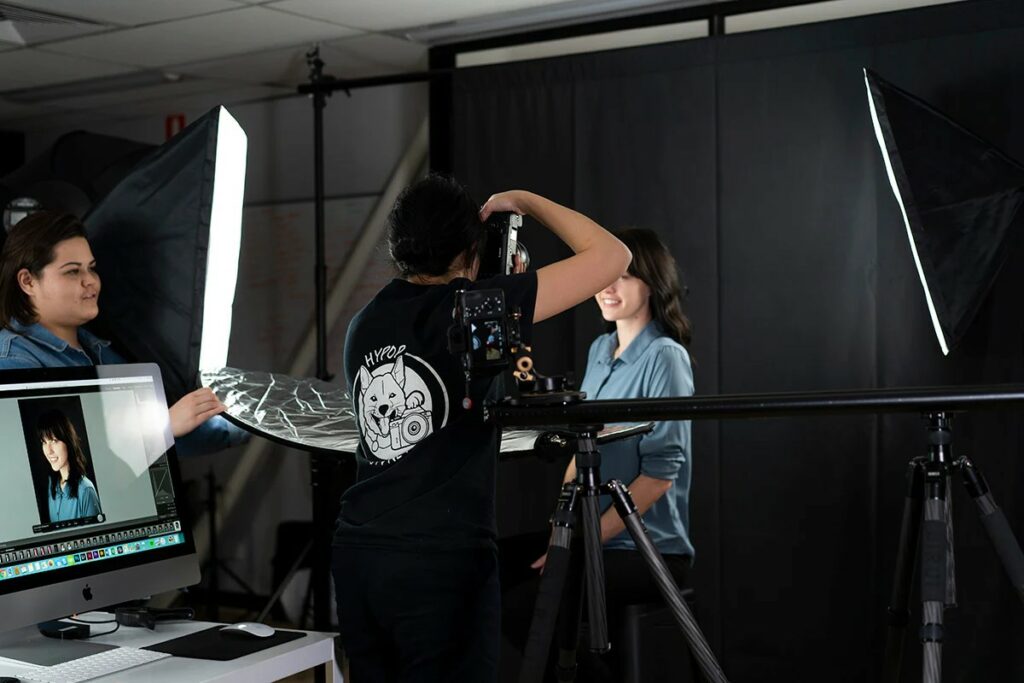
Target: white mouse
(248, 629)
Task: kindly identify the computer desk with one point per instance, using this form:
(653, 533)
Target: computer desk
(280, 661)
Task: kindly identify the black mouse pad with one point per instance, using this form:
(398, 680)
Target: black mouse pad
(212, 644)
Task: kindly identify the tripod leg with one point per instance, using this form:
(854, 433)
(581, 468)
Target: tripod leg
(550, 590)
(588, 481)
(570, 613)
(995, 524)
(899, 613)
(933, 582)
(593, 563)
(936, 546)
(666, 584)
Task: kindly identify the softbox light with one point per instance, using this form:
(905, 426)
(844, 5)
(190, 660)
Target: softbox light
(960, 198)
(166, 241)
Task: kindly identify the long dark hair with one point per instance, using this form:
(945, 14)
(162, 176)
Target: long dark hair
(653, 263)
(54, 424)
(30, 244)
(432, 222)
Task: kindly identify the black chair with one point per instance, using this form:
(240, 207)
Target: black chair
(652, 646)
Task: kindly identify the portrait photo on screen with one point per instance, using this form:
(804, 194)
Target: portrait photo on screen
(64, 478)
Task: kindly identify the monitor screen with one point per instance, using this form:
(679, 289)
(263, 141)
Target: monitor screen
(90, 490)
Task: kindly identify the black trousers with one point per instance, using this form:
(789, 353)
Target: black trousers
(627, 582)
(414, 617)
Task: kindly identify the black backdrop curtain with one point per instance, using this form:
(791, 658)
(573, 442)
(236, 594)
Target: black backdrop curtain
(753, 156)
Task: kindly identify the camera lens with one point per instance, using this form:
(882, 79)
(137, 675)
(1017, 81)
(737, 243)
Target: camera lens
(524, 255)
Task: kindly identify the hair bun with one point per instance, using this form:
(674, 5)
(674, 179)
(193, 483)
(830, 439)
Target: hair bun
(432, 223)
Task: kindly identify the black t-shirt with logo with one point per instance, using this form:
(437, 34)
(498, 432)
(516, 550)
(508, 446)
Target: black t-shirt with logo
(426, 466)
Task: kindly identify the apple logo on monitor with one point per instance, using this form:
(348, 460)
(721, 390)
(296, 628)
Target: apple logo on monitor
(87, 592)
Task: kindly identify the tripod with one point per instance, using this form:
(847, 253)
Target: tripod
(559, 594)
(927, 520)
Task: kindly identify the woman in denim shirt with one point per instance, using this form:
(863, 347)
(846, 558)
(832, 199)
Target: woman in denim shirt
(49, 289)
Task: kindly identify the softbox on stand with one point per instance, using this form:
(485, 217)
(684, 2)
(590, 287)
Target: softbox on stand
(960, 198)
(166, 241)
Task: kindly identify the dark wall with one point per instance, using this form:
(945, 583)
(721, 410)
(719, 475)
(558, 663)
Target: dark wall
(753, 156)
(12, 151)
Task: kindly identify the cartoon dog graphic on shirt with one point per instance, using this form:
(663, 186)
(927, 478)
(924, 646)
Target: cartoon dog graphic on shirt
(393, 420)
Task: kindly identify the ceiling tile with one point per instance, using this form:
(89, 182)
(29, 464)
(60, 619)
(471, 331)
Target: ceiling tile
(372, 54)
(284, 66)
(27, 33)
(129, 12)
(201, 102)
(248, 29)
(164, 91)
(17, 110)
(375, 15)
(364, 55)
(53, 117)
(30, 67)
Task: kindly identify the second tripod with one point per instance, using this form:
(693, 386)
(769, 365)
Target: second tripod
(927, 529)
(559, 594)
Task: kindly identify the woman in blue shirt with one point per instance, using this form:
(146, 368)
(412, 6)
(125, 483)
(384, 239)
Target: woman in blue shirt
(644, 355)
(49, 289)
(70, 493)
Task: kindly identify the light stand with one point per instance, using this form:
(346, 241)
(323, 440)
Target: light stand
(927, 521)
(322, 469)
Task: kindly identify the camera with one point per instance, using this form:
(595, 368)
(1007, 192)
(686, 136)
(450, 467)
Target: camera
(409, 429)
(483, 332)
(501, 245)
(487, 337)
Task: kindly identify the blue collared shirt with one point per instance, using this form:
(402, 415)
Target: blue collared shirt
(34, 346)
(652, 366)
(86, 504)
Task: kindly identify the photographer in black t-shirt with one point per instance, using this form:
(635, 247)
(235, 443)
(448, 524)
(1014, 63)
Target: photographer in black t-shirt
(415, 566)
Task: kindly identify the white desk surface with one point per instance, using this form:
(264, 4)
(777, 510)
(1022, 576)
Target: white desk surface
(272, 664)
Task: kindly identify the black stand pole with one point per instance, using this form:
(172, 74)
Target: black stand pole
(926, 527)
(316, 75)
(321, 467)
(213, 596)
(558, 596)
(214, 566)
(937, 589)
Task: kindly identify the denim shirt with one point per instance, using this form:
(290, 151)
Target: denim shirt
(652, 366)
(34, 346)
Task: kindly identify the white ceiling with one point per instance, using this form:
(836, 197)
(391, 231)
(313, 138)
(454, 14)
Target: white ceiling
(213, 48)
(216, 50)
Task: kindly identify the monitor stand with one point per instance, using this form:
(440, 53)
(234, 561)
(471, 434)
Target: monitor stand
(29, 646)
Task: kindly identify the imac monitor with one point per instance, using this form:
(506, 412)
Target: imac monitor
(90, 492)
